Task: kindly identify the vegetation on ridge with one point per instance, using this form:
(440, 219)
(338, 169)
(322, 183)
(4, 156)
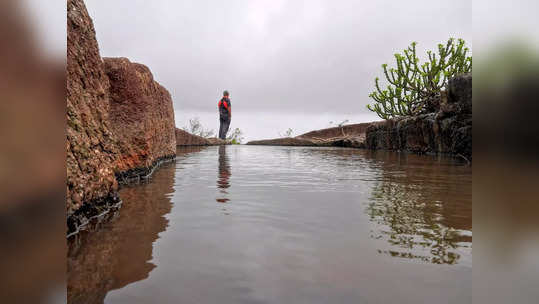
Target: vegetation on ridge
(411, 82)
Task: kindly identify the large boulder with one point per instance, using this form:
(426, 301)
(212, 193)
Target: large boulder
(120, 122)
(91, 147)
(141, 116)
(459, 91)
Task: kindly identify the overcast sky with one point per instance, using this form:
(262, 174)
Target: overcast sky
(310, 58)
(290, 56)
(306, 57)
(313, 60)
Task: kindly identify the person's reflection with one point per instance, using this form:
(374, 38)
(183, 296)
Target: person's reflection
(223, 175)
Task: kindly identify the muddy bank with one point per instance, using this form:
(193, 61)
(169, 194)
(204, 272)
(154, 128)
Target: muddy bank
(184, 138)
(346, 136)
(447, 129)
(120, 123)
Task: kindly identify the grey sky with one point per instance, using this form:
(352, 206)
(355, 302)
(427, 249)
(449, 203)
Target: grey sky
(288, 64)
(278, 56)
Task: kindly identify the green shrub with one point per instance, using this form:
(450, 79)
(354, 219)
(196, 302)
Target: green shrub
(195, 127)
(235, 137)
(287, 133)
(411, 83)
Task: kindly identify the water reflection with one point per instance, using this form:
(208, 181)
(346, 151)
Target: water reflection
(316, 209)
(223, 175)
(421, 206)
(414, 216)
(119, 252)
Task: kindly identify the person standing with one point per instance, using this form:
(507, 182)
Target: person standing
(225, 114)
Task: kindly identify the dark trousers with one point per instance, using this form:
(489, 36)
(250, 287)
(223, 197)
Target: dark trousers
(223, 128)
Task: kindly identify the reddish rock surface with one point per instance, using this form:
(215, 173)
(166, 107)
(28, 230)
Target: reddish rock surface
(91, 146)
(285, 141)
(346, 130)
(141, 115)
(346, 136)
(120, 122)
(184, 138)
(448, 130)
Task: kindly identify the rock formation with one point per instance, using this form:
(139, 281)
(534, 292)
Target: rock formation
(184, 138)
(120, 122)
(448, 130)
(91, 146)
(445, 128)
(141, 116)
(346, 136)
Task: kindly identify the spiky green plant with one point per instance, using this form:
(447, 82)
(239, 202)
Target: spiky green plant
(410, 82)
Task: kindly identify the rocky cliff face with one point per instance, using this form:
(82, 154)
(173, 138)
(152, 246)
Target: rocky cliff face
(120, 122)
(447, 130)
(141, 116)
(91, 146)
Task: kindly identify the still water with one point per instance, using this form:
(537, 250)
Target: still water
(257, 224)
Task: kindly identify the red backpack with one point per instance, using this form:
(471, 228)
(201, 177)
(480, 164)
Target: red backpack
(223, 102)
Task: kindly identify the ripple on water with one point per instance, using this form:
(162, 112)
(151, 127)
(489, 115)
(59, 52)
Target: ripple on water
(285, 224)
